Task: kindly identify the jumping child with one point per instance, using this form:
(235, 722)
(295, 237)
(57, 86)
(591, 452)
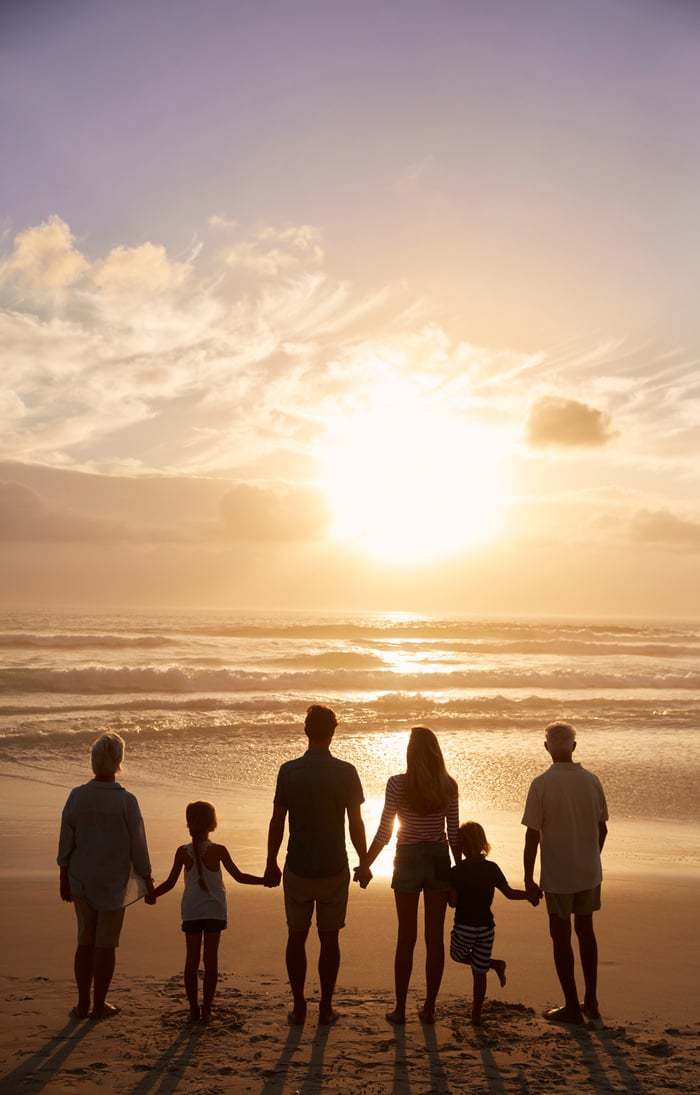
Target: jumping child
(474, 880)
(203, 906)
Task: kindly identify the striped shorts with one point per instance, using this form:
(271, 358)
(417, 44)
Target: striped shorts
(472, 946)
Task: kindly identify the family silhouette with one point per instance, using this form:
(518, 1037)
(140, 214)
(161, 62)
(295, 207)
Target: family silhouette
(104, 865)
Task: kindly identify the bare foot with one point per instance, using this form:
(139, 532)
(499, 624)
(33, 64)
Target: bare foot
(206, 1015)
(326, 1017)
(476, 1019)
(79, 1012)
(297, 1016)
(426, 1014)
(397, 1018)
(105, 1012)
(194, 1014)
(570, 1016)
(500, 968)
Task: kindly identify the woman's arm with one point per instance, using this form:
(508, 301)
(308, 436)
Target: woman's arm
(240, 876)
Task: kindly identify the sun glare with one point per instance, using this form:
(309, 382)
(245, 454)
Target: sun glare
(408, 485)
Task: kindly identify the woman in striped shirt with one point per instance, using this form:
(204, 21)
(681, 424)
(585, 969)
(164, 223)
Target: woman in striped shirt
(425, 800)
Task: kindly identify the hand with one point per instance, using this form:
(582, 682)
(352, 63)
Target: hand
(534, 892)
(150, 898)
(363, 875)
(272, 876)
(64, 889)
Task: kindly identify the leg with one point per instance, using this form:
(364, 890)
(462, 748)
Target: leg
(435, 905)
(211, 971)
(407, 913)
(296, 971)
(193, 944)
(588, 950)
(328, 966)
(104, 960)
(499, 966)
(82, 967)
(560, 931)
(478, 997)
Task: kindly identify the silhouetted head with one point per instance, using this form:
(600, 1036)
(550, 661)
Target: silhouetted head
(560, 740)
(428, 786)
(107, 755)
(201, 818)
(320, 723)
(472, 840)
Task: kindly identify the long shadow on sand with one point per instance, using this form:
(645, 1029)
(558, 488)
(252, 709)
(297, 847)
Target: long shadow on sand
(170, 1068)
(438, 1079)
(39, 1070)
(276, 1081)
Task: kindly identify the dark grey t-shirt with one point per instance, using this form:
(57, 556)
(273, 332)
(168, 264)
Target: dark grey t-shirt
(316, 790)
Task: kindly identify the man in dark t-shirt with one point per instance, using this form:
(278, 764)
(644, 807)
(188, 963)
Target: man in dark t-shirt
(315, 792)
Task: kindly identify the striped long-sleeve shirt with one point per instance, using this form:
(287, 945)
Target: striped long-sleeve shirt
(417, 828)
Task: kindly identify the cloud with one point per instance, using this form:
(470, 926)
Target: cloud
(44, 257)
(665, 528)
(254, 512)
(144, 269)
(25, 516)
(273, 251)
(556, 422)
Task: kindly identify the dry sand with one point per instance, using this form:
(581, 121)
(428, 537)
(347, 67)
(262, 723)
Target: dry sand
(647, 1041)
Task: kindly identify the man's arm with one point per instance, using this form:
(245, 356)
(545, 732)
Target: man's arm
(532, 843)
(358, 837)
(275, 833)
(602, 833)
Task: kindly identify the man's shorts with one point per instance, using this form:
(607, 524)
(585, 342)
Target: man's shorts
(473, 946)
(97, 927)
(583, 903)
(421, 867)
(329, 895)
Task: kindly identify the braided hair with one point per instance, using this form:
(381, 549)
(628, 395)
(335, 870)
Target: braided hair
(201, 820)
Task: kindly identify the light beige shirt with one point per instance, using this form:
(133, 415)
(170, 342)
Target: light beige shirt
(103, 845)
(566, 805)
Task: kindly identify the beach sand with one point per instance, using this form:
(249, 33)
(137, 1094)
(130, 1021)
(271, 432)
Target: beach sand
(647, 1041)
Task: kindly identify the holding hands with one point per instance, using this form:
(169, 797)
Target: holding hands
(534, 893)
(363, 875)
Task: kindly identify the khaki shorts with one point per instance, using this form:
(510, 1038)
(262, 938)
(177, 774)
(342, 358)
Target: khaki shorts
(329, 895)
(583, 903)
(97, 927)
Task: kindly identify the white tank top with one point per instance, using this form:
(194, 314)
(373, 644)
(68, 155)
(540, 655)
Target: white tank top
(199, 904)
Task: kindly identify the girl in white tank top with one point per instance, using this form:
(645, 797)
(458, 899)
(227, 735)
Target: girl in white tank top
(203, 904)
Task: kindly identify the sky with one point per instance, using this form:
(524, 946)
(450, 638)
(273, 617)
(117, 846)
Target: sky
(375, 306)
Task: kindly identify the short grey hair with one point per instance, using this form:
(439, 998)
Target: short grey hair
(107, 754)
(560, 736)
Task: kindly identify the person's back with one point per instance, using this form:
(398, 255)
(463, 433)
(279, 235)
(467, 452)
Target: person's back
(316, 789)
(316, 792)
(566, 815)
(568, 802)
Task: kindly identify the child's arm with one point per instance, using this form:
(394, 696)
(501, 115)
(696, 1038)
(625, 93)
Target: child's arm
(178, 864)
(240, 876)
(518, 895)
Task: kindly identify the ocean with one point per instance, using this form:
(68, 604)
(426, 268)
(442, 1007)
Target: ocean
(217, 699)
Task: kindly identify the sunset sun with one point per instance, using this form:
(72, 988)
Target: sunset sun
(408, 485)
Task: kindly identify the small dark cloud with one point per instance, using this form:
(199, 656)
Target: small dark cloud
(554, 422)
(253, 512)
(665, 527)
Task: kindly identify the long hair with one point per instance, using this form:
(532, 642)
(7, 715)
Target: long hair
(201, 820)
(428, 786)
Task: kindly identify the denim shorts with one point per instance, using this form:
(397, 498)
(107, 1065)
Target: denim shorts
(421, 867)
